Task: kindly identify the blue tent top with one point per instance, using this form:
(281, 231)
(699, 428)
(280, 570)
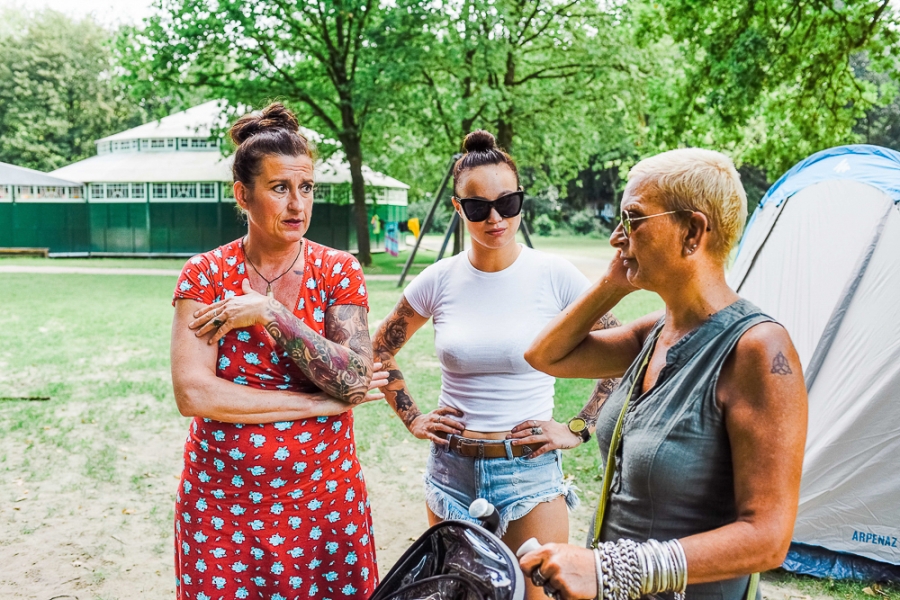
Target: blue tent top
(874, 165)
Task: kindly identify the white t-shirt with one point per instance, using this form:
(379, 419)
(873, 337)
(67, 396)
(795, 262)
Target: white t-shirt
(483, 323)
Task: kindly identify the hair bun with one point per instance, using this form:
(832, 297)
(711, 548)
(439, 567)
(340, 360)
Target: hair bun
(274, 116)
(480, 141)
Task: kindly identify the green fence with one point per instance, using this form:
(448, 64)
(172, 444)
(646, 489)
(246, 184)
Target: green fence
(62, 227)
(147, 228)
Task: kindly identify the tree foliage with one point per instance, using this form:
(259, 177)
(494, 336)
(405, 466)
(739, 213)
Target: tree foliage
(58, 92)
(556, 81)
(577, 90)
(330, 60)
(770, 81)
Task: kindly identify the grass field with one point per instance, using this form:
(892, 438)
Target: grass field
(88, 476)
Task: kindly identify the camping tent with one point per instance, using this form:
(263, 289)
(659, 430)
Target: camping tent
(821, 254)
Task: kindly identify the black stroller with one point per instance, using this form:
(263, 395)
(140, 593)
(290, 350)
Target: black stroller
(456, 560)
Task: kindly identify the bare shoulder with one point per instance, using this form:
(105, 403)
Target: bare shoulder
(764, 367)
(767, 348)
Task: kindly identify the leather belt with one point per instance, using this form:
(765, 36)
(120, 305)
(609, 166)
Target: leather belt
(485, 448)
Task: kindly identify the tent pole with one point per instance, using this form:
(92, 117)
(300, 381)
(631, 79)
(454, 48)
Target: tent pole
(454, 227)
(526, 234)
(428, 218)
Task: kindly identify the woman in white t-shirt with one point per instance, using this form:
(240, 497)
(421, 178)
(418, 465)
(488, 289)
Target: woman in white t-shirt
(492, 435)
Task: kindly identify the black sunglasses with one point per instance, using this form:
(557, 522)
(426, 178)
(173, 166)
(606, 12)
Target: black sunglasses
(507, 206)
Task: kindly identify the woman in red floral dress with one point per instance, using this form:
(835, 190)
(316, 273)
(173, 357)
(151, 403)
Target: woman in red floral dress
(270, 351)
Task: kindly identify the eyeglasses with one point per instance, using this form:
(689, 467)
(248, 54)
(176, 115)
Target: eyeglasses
(477, 210)
(627, 219)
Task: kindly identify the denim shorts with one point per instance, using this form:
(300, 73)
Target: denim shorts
(513, 485)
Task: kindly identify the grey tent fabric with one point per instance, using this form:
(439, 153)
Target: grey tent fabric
(824, 260)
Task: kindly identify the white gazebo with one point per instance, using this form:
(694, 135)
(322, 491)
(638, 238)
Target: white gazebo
(165, 188)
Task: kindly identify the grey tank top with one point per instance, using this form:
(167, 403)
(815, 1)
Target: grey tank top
(673, 473)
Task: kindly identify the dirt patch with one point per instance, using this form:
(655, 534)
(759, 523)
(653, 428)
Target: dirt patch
(398, 499)
(86, 515)
(80, 536)
(71, 535)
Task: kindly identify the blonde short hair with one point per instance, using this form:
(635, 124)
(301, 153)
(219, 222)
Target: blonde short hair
(699, 180)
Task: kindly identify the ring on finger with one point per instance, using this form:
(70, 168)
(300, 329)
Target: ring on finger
(217, 322)
(537, 578)
(537, 430)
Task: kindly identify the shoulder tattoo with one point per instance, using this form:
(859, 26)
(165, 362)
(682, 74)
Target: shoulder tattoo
(780, 365)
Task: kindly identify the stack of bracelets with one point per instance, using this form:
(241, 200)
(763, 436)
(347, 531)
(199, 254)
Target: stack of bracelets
(627, 570)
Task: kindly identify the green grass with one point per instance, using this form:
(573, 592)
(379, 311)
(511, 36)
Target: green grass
(105, 263)
(98, 346)
(840, 590)
(385, 264)
(90, 342)
(382, 262)
(577, 244)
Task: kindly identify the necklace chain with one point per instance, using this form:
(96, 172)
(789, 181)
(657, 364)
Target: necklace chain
(269, 282)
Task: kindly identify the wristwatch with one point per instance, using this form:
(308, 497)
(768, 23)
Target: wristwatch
(579, 427)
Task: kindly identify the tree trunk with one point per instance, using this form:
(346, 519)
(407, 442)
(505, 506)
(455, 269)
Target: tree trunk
(504, 123)
(353, 150)
(505, 133)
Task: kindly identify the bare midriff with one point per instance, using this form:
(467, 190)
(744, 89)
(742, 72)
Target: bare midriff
(485, 435)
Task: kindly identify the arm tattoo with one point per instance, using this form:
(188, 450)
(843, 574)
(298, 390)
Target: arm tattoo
(601, 392)
(340, 365)
(404, 406)
(390, 337)
(392, 334)
(780, 365)
(604, 387)
(607, 321)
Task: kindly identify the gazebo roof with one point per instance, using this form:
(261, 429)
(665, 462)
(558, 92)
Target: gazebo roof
(13, 175)
(186, 165)
(195, 122)
(160, 167)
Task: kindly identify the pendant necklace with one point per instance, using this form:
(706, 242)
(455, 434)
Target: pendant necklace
(269, 282)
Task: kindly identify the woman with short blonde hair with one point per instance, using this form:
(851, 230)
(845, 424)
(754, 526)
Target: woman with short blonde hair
(703, 440)
(699, 180)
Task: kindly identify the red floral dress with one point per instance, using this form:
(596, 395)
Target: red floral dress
(276, 511)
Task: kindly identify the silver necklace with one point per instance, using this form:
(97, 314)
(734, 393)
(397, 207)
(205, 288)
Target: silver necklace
(269, 282)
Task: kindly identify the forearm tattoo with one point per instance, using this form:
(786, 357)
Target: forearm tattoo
(389, 338)
(604, 387)
(601, 392)
(341, 371)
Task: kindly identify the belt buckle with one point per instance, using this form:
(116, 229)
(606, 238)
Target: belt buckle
(463, 445)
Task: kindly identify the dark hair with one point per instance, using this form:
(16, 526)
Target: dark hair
(273, 130)
(481, 149)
